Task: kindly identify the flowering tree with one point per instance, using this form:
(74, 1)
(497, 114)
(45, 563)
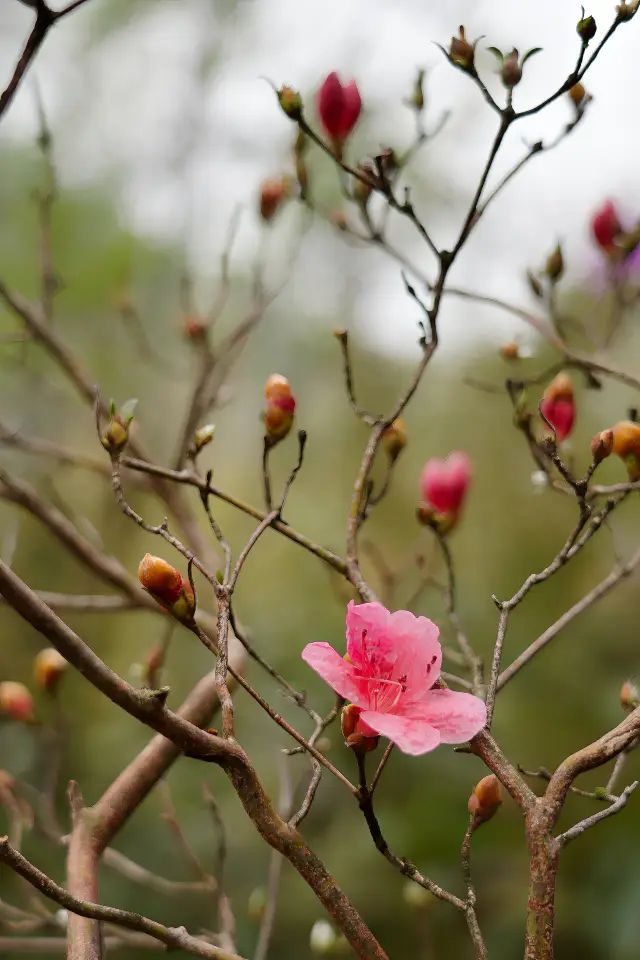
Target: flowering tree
(388, 680)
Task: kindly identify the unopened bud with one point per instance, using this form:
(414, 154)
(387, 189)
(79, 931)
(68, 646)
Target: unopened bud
(257, 903)
(48, 668)
(511, 72)
(586, 29)
(626, 445)
(168, 587)
(485, 799)
(626, 11)
(202, 437)
(116, 436)
(602, 446)
(461, 52)
(279, 409)
(291, 102)
(535, 285)
(577, 93)
(16, 702)
(629, 696)
(273, 194)
(555, 265)
(194, 328)
(394, 439)
(417, 97)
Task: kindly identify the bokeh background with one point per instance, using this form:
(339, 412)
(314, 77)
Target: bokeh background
(163, 126)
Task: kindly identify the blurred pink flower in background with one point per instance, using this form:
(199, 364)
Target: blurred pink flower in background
(393, 661)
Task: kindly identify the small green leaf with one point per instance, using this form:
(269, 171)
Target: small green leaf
(128, 409)
(112, 408)
(498, 54)
(531, 53)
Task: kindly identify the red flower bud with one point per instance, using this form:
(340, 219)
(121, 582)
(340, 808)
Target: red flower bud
(16, 702)
(168, 586)
(558, 406)
(443, 487)
(358, 736)
(602, 445)
(629, 696)
(273, 194)
(485, 799)
(339, 108)
(279, 409)
(626, 445)
(606, 226)
(194, 327)
(48, 667)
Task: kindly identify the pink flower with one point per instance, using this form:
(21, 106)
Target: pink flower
(393, 662)
(558, 406)
(339, 107)
(444, 483)
(606, 226)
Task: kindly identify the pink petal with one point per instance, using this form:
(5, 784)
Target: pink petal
(456, 716)
(335, 670)
(351, 107)
(410, 735)
(561, 414)
(444, 483)
(370, 617)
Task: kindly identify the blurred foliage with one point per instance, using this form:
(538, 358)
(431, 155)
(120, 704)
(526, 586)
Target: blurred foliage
(568, 697)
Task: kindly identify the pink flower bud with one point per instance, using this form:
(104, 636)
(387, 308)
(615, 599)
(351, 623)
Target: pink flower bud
(48, 668)
(279, 409)
(606, 226)
(339, 108)
(558, 406)
(168, 587)
(273, 194)
(629, 696)
(444, 484)
(16, 702)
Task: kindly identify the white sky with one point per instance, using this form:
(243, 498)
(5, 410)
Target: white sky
(184, 161)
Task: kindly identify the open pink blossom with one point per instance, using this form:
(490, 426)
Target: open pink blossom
(339, 107)
(444, 483)
(393, 662)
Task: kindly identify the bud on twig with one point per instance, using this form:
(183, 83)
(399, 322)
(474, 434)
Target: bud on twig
(291, 102)
(558, 406)
(577, 94)
(629, 696)
(555, 265)
(279, 409)
(339, 107)
(602, 446)
(626, 445)
(273, 193)
(16, 702)
(116, 435)
(357, 735)
(394, 439)
(48, 668)
(202, 437)
(626, 11)
(485, 799)
(511, 72)
(606, 227)
(462, 53)
(416, 100)
(535, 285)
(443, 488)
(168, 587)
(586, 28)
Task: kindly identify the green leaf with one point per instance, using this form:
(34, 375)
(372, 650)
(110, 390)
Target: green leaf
(498, 54)
(531, 53)
(128, 409)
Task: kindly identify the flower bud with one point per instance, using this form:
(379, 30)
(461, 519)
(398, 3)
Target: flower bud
(602, 445)
(443, 488)
(339, 107)
(291, 102)
(358, 736)
(257, 903)
(116, 436)
(535, 285)
(461, 52)
(626, 445)
(485, 799)
(168, 587)
(577, 93)
(555, 265)
(629, 696)
(279, 409)
(417, 97)
(16, 702)
(626, 11)
(273, 194)
(322, 938)
(394, 439)
(48, 668)
(194, 328)
(202, 437)
(511, 72)
(606, 227)
(586, 29)
(558, 406)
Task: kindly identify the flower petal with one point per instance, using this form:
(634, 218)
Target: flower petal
(335, 670)
(411, 735)
(456, 716)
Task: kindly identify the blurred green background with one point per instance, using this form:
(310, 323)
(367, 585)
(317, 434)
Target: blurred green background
(102, 251)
